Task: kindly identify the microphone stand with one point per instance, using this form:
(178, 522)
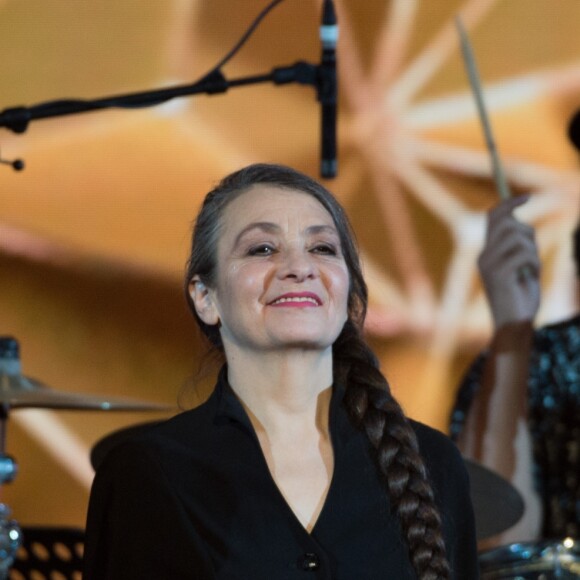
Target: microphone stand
(17, 119)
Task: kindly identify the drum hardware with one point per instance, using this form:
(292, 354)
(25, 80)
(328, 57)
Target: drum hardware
(18, 392)
(496, 502)
(548, 560)
(10, 535)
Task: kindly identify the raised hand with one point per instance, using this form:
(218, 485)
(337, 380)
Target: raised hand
(510, 266)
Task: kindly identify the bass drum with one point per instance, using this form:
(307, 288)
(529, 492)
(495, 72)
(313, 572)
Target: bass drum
(532, 561)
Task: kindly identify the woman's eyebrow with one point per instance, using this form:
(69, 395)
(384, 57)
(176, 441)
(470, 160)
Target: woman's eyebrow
(322, 229)
(267, 227)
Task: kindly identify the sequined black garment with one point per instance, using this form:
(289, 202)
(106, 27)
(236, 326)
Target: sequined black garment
(554, 420)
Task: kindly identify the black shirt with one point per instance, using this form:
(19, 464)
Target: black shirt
(194, 498)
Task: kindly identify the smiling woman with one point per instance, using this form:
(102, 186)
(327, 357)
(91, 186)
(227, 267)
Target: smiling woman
(301, 460)
(281, 282)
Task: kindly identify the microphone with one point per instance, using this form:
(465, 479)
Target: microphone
(327, 86)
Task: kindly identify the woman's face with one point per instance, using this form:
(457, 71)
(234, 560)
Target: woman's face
(281, 281)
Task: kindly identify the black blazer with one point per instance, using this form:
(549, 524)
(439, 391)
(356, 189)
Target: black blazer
(192, 498)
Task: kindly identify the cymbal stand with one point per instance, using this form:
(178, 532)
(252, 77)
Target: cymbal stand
(10, 534)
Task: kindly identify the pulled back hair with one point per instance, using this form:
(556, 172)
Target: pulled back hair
(368, 398)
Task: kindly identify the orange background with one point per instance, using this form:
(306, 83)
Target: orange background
(94, 232)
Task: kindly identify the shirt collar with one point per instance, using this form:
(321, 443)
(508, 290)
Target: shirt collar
(228, 409)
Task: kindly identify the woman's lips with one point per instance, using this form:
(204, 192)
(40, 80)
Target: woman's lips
(297, 299)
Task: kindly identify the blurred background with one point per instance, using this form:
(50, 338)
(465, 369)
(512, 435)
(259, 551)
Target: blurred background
(94, 232)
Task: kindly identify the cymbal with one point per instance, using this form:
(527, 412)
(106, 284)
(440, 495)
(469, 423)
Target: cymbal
(18, 391)
(496, 502)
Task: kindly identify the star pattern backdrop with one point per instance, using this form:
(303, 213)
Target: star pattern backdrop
(94, 232)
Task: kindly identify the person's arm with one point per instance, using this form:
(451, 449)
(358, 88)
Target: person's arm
(136, 524)
(495, 433)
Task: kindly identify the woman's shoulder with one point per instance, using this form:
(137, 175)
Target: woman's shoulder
(572, 322)
(153, 439)
(428, 435)
(437, 448)
(447, 471)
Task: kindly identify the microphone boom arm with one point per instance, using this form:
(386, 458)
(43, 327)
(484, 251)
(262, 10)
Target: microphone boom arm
(17, 119)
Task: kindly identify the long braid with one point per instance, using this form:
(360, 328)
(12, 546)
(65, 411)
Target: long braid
(372, 408)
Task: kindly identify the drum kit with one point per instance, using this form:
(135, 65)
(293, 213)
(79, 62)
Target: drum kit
(497, 504)
(532, 561)
(19, 392)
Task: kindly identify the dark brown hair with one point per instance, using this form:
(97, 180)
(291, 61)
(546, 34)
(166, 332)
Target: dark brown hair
(368, 396)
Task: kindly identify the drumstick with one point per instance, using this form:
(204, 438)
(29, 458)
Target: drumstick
(470, 65)
(525, 272)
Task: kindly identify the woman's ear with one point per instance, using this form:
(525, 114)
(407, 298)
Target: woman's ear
(202, 299)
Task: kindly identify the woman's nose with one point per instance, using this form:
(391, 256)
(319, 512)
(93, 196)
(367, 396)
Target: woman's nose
(296, 264)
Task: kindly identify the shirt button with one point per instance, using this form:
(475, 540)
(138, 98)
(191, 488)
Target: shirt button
(310, 562)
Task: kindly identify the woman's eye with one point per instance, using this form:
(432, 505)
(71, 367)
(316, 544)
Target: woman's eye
(325, 249)
(261, 250)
